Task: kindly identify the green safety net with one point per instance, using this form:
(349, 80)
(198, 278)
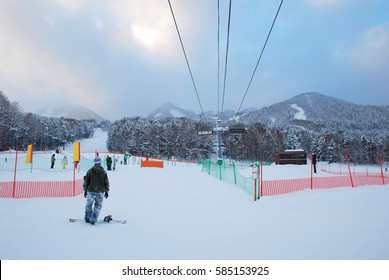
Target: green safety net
(230, 173)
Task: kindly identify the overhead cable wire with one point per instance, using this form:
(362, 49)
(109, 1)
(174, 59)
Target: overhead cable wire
(259, 59)
(186, 58)
(218, 57)
(226, 60)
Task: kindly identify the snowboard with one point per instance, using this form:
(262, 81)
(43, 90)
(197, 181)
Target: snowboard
(114, 221)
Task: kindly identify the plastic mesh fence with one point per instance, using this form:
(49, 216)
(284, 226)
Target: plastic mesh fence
(229, 174)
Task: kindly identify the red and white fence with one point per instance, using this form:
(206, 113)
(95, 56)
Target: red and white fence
(30, 189)
(277, 187)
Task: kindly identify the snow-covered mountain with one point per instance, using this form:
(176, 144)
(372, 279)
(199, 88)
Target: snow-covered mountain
(70, 111)
(168, 110)
(315, 111)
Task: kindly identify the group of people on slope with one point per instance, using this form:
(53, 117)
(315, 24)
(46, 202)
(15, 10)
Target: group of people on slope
(64, 162)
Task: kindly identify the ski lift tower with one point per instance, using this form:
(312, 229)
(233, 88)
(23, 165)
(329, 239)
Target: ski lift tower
(219, 129)
(206, 128)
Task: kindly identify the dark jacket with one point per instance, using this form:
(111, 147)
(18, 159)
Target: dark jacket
(96, 180)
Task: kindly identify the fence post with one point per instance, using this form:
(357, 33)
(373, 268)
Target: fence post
(255, 189)
(261, 182)
(14, 183)
(311, 174)
(349, 170)
(74, 179)
(382, 172)
(233, 165)
(220, 163)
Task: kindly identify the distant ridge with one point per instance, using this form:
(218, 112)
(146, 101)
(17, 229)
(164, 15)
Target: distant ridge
(310, 110)
(313, 109)
(70, 111)
(168, 110)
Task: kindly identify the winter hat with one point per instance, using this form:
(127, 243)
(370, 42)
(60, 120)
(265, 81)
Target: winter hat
(97, 160)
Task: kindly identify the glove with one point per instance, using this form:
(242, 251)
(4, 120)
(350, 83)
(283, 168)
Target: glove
(106, 195)
(85, 194)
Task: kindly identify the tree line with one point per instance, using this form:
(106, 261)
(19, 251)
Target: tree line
(177, 137)
(18, 129)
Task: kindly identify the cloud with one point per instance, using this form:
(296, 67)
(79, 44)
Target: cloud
(142, 25)
(35, 74)
(365, 61)
(368, 52)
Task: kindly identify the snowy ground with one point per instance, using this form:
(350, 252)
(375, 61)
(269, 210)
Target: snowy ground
(180, 213)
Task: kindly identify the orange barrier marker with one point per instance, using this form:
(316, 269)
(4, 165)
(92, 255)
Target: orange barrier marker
(151, 163)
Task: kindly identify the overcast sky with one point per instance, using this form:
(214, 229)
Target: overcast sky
(123, 58)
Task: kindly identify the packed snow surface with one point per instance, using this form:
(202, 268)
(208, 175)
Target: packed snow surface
(180, 213)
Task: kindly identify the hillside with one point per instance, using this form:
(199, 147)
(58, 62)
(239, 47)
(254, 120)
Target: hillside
(316, 111)
(311, 110)
(168, 110)
(70, 111)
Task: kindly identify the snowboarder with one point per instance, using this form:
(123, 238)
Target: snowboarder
(109, 162)
(64, 162)
(96, 186)
(52, 161)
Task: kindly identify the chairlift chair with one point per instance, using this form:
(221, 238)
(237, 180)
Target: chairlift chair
(204, 129)
(237, 128)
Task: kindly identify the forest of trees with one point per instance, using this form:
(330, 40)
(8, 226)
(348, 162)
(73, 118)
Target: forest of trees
(165, 138)
(18, 129)
(159, 138)
(178, 137)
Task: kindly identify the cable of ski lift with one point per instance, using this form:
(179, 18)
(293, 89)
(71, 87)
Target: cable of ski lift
(260, 56)
(186, 58)
(226, 59)
(218, 57)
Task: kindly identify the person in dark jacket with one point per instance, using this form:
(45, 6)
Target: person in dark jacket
(96, 186)
(109, 162)
(52, 161)
(314, 162)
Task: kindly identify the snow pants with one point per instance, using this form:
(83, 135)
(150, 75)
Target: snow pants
(94, 202)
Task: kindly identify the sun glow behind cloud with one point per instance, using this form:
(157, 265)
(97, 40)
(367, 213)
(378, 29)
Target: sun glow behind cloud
(148, 37)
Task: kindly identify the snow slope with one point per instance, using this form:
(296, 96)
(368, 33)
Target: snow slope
(180, 213)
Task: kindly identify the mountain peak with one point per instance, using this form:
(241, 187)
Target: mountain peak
(76, 112)
(320, 110)
(168, 110)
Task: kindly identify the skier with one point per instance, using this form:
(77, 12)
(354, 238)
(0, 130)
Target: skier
(114, 162)
(96, 186)
(126, 156)
(64, 162)
(109, 162)
(52, 161)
